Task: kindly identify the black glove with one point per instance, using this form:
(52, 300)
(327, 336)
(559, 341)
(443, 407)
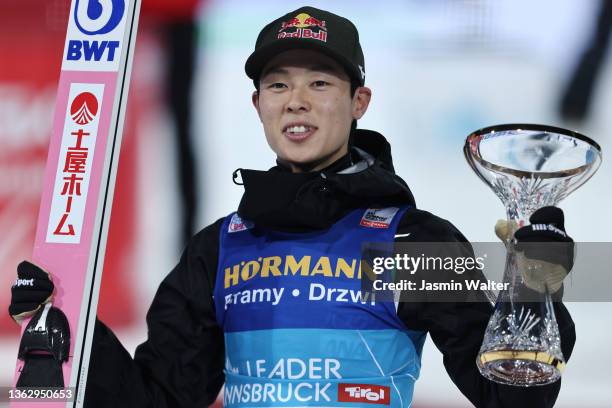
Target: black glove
(31, 290)
(547, 226)
(546, 241)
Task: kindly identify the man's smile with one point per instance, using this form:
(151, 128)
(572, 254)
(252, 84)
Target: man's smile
(298, 131)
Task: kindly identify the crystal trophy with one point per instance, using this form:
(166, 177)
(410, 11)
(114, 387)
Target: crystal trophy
(528, 167)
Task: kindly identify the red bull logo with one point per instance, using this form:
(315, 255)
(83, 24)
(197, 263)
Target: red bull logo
(84, 108)
(304, 24)
(303, 20)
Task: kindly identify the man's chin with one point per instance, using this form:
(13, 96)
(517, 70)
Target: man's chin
(313, 161)
(302, 164)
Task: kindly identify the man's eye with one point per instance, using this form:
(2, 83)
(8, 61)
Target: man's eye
(277, 85)
(320, 83)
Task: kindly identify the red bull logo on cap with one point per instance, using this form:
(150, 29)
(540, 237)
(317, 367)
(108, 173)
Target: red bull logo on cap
(304, 24)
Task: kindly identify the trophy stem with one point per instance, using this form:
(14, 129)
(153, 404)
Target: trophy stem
(522, 344)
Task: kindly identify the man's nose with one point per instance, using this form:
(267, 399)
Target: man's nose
(298, 100)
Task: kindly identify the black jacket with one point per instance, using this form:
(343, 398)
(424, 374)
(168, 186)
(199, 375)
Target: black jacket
(181, 363)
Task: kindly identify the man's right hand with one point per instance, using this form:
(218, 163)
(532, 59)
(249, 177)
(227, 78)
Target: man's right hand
(32, 289)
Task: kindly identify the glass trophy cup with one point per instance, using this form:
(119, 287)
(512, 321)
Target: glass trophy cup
(528, 167)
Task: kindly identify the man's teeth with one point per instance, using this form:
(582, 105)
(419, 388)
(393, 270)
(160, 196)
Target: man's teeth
(298, 129)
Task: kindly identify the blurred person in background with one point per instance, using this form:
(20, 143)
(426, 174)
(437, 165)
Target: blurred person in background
(177, 20)
(240, 307)
(577, 97)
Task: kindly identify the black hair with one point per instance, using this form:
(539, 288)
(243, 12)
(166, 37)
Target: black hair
(354, 85)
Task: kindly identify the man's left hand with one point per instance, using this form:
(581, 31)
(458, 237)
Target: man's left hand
(544, 250)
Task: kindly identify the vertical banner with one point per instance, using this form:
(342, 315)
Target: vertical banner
(79, 178)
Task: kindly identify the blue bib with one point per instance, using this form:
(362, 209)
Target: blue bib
(298, 331)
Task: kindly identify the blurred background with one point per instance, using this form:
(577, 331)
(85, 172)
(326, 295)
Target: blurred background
(439, 69)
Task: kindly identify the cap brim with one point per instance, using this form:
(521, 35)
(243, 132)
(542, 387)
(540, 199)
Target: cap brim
(260, 57)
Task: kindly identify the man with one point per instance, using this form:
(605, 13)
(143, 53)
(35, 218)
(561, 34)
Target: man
(267, 299)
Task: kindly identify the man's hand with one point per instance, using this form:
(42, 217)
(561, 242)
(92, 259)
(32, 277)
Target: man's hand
(32, 289)
(544, 250)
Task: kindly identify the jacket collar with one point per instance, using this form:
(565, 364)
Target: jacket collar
(281, 200)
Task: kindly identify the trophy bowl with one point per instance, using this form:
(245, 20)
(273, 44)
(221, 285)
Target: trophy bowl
(528, 166)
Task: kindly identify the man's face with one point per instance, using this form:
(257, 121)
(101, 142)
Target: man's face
(306, 108)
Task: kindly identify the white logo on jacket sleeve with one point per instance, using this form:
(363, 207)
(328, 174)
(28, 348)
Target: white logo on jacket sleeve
(378, 217)
(237, 224)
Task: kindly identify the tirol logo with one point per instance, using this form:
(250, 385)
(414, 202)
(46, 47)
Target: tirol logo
(378, 217)
(364, 393)
(98, 16)
(84, 108)
(304, 24)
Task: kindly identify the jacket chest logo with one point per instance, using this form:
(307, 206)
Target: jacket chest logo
(237, 224)
(378, 217)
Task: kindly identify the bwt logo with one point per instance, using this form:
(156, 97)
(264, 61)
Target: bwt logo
(98, 16)
(91, 50)
(94, 17)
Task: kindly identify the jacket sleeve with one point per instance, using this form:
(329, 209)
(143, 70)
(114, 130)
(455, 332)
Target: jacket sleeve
(181, 363)
(457, 329)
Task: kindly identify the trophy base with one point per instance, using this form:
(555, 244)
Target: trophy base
(520, 368)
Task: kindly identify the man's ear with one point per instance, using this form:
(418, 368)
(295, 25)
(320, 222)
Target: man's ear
(255, 100)
(361, 101)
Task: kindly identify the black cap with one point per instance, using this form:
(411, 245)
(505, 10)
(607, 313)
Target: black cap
(313, 29)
